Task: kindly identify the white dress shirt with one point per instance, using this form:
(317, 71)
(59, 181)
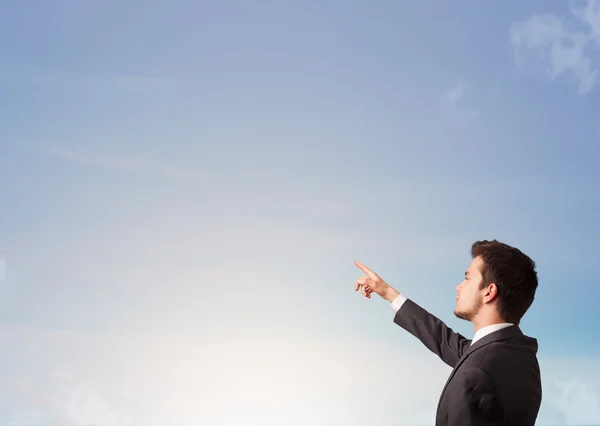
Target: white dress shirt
(399, 301)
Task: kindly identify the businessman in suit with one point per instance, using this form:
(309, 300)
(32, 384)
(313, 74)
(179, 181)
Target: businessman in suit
(495, 379)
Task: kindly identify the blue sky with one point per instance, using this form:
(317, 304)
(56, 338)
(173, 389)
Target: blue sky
(186, 188)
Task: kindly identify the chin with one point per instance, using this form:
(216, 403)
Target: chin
(462, 315)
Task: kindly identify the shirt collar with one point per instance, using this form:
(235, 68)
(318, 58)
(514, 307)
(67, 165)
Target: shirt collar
(482, 332)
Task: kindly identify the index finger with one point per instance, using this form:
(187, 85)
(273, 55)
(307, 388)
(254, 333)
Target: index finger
(366, 270)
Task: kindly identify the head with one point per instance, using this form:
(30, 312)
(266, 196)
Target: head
(499, 284)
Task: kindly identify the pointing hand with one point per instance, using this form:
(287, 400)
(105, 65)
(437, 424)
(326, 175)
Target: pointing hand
(370, 283)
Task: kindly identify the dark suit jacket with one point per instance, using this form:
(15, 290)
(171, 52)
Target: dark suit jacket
(496, 381)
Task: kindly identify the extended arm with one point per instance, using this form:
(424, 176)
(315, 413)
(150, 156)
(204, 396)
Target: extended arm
(431, 331)
(473, 400)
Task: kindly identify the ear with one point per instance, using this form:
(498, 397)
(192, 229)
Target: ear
(490, 293)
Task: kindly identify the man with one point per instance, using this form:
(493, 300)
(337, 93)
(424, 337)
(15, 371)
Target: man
(496, 377)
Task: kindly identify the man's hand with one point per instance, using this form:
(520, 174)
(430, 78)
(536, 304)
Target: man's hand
(372, 283)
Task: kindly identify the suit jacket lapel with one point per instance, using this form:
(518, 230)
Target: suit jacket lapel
(502, 334)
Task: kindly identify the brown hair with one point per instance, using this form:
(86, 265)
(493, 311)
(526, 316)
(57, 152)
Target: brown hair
(513, 273)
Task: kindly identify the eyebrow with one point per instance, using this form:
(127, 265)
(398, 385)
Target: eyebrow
(466, 273)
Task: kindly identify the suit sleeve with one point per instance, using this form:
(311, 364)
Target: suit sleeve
(432, 332)
(473, 400)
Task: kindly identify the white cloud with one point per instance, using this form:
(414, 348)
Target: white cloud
(564, 49)
(571, 390)
(247, 378)
(457, 108)
(129, 165)
(579, 401)
(146, 85)
(257, 378)
(456, 93)
(45, 77)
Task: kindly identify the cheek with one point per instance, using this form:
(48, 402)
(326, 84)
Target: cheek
(469, 294)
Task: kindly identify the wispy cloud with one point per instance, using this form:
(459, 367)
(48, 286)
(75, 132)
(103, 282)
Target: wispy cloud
(146, 85)
(563, 48)
(49, 77)
(579, 401)
(165, 379)
(571, 397)
(458, 109)
(128, 165)
(162, 379)
(456, 93)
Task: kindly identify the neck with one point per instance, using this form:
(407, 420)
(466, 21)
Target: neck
(479, 323)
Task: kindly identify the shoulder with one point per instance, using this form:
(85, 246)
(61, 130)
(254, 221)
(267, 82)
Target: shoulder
(501, 361)
(508, 351)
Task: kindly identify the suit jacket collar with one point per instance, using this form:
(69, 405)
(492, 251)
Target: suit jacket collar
(484, 331)
(495, 336)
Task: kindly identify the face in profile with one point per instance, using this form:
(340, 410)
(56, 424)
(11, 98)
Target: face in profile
(470, 298)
